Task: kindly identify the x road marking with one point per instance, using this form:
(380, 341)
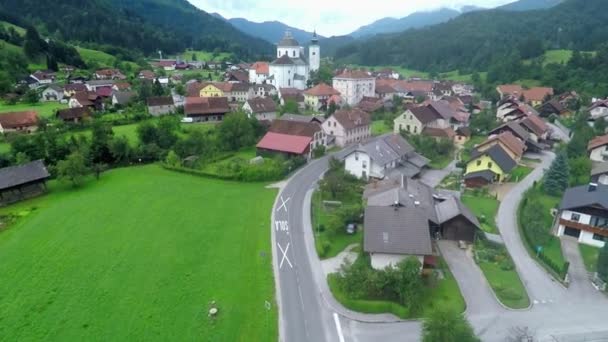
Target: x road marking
(284, 255)
(283, 204)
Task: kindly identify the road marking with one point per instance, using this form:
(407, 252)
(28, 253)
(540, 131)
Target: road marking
(283, 204)
(281, 225)
(284, 256)
(338, 327)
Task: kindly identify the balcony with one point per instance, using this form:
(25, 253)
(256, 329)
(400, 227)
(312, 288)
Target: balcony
(585, 227)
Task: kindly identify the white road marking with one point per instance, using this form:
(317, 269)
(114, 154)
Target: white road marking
(284, 256)
(338, 327)
(283, 204)
(281, 225)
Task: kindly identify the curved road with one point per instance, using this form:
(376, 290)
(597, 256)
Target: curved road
(307, 312)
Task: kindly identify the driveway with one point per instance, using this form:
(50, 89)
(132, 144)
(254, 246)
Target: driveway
(434, 177)
(580, 285)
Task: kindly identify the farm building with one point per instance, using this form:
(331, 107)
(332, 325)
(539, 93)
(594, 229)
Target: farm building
(23, 181)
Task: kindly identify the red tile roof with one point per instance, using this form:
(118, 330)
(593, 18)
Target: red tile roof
(261, 68)
(510, 89)
(18, 119)
(321, 89)
(354, 74)
(598, 142)
(206, 105)
(535, 124)
(284, 143)
(537, 93)
(352, 118)
(104, 91)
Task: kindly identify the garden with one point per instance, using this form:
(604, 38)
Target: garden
(140, 254)
(484, 206)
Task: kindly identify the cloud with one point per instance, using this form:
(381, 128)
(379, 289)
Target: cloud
(335, 17)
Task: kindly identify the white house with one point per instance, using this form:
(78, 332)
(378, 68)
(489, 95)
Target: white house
(354, 85)
(598, 149)
(258, 72)
(262, 108)
(599, 109)
(584, 214)
(290, 69)
(348, 126)
(52, 93)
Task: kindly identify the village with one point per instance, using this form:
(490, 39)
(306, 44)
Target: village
(417, 168)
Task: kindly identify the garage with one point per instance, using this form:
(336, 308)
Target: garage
(572, 232)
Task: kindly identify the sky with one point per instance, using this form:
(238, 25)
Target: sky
(329, 17)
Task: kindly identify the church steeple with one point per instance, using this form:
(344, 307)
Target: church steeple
(315, 39)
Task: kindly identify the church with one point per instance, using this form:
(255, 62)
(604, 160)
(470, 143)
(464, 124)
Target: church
(291, 69)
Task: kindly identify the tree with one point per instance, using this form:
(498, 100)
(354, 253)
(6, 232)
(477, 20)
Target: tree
(21, 158)
(51, 63)
(557, 178)
(100, 143)
(147, 133)
(409, 283)
(33, 45)
(602, 263)
(157, 88)
(31, 96)
(236, 131)
(483, 122)
(98, 168)
(73, 169)
(290, 106)
(194, 56)
(533, 223)
(445, 325)
(580, 169)
(166, 132)
(145, 90)
(120, 149)
(600, 126)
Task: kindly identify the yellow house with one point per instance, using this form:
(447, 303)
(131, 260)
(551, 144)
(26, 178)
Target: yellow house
(211, 90)
(489, 166)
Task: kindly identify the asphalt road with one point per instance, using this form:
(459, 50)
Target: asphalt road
(557, 313)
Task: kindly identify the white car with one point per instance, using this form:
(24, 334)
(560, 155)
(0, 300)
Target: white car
(187, 120)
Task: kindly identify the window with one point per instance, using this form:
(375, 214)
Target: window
(314, 53)
(415, 129)
(575, 217)
(489, 165)
(356, 155)
(294, 53)
(478, 162)
(364, 164)
(601, 222)
(407, 128)
(599, 237)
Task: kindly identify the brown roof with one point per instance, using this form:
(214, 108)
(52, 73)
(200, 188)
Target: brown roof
(321, 89)
(122, 85)
(537, 93)
(535, 124)
(73, 113)
(425, 114)
(147, 74)
(384, 88)
(206, 105)
(354, 74)
(370, 104)
(595, 143)
(439, 132)
(262, 105)
(289, 127)
(510, 89)
(159, 101)
(75, 87)
(18, 119)
(86, 98)
(352, 118)
(239, 75)
(261, 68)
(507, 138)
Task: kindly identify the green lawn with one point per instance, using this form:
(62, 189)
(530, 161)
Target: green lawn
(589, 254)
(379, 127)
(520, 172)
(485, 208)
(19, 29)
(139, 255)
(506, 285)
(205, 56)
(129, 131)
(44, 109)
(336, 242)
(528, 83)
(451, 182)
(445, 294)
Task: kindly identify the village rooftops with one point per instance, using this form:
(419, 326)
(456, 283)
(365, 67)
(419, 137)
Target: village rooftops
(287, 143)
(425, 114)
(299, 128)
(206, 105)
(14, 176)
(321, 89)
(73, 113)
(302, 118)
(597, 142)
(352, 118)
(584, 196)
(498, 155)
(354, 74)
(18, 119)
(262, 105)
(159, 101)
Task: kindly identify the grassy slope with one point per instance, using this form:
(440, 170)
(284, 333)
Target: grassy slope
(486, 207)
(589, 254)
(44, 109)
(94, 56)
(20, 30)
(205, 56)
(138, 256)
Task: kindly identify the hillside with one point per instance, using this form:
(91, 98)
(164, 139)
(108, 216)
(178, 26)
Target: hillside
(414, 20)
(475, 40)
(143, 25)
(528, 5)
(270, 31)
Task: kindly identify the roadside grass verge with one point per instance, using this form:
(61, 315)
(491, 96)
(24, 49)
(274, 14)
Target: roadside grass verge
(520, 172)
(484, 207)
(589, 255)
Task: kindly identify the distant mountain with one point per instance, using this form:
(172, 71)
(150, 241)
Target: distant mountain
(270, 31)
(414, 20)
(145, 26)
(528, 5)
(330, 45)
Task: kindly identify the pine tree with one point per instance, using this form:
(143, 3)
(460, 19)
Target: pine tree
(557, 178)
(51, 63)
(602, 263)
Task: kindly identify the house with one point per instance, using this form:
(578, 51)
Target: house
(167, 65)
(521, 133)
(291, 94)
(123, 98)
(317, 97)
(22, 181)
(109, 74)
(121, 86)
(383, 156)
(599, 173)
(512, 145)
(598, 149)
(258, 72)
(160, 105)
(385, 91)
(598, 109)
(26, 122)
(488, 166)
(311, 128)
(264, 90)
(511, 109)
(583, 214)
(70, 89)
(354, 85)
(74, 115)
(94, 84)
(234, 92)
(237, 76)
(319, 119)
(371, 104)
(86, 99)
(104, 92)
(508, 90)
(52, 93)
(463, 134)
(553, 107)
(43, 77)
(348, 126)
(534, 96)
(538, 129)
(262, 108)
(146, 75)
(284, 144)
(403, 216)
(387, 73)
(431, 119)
(206, 109)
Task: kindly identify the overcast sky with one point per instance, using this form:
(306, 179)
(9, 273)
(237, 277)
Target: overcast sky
(329, 17)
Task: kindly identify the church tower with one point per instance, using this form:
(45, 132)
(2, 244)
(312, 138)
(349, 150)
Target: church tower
(314, 53)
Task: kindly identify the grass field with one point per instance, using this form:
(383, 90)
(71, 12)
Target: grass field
(139, 255)
(129, 131)
(589, 254)
(379, 127)
(19, 29)
(520, 172)
(485, 208)
(95, 56)
(44, 109)
(205, 56)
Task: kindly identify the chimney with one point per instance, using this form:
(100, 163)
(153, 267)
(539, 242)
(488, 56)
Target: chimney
(592, 187)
